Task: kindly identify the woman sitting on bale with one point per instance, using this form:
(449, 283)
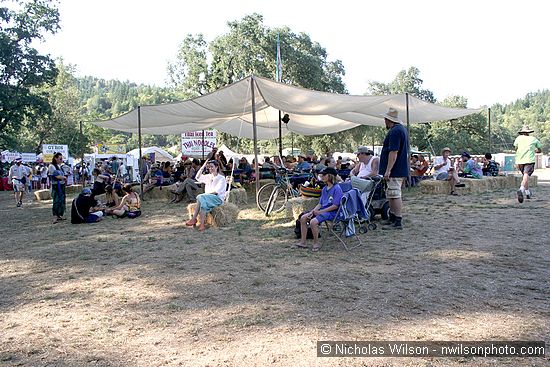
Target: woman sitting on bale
(331, 195)
(214, 193)
(130, 206)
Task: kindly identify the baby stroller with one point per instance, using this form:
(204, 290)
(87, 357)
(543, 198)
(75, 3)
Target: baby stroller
(373, 195)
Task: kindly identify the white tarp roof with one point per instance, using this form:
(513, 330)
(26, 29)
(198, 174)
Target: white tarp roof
(311, 112)
(161, 155)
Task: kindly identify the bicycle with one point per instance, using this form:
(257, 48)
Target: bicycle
(272, 198)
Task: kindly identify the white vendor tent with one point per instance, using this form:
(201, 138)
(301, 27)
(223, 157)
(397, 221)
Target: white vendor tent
(161, 155)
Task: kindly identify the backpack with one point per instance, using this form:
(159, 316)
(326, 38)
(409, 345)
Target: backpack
(298, 231)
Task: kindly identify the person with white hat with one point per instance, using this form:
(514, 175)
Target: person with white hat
(18, 177)
(394, 165)
(526, 147)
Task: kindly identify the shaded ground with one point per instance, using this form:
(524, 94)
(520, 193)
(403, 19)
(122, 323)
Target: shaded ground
(150, 292)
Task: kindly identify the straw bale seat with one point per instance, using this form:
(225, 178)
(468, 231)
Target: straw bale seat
(219, 216)
(296, 206)
(475, 186)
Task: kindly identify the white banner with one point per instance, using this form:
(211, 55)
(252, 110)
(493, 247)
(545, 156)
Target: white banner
(191, 143)
(28, 157)
(9, 157)
(48, 150)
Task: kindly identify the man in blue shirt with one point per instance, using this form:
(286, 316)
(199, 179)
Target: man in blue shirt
(302, 165)
(394, 165)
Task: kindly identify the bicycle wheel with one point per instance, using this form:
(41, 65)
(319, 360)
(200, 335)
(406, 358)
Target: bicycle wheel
(277, 201)
(263, 195)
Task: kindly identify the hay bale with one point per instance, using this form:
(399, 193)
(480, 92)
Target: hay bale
(238, 196)
(160, 193)
(476, 186)
(219, 216)
(296, 206)
(43, 195)
(73, 189)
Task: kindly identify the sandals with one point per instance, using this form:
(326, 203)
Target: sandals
(316, 248)
(191, 222)
(453, 193)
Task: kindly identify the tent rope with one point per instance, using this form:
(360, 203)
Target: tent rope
(238, 144)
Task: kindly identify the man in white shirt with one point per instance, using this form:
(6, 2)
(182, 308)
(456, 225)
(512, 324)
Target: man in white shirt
(18, 177)
(444, 172)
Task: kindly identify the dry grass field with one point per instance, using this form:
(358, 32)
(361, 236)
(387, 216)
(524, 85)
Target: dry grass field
(150, 292)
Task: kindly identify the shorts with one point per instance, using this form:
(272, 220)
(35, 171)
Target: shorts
(328, 216)
(528, 168)
(443, 176)
(18, 186)
(44, 180)
(393, 187)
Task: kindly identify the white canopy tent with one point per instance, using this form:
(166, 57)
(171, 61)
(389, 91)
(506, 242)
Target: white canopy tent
(229, 110)
(161, 155)
(250, 108)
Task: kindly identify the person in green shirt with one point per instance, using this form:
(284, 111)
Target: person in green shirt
(526, 147)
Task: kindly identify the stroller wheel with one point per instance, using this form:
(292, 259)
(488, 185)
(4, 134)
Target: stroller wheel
(336, 228)
(372, 226)
(363, 229)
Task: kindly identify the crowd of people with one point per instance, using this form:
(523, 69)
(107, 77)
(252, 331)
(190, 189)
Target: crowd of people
(395, 166)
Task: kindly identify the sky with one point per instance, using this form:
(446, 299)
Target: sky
(487, 51)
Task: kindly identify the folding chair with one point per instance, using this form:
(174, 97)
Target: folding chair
(351, 211)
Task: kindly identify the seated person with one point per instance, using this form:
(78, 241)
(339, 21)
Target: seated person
(331, 195)
(331, 162)
(130, 205)
(302, 165)
(214, 193)
(423, 166)
(189, 184)
(414, 164)
(490, 167)
(85, 209)
(444, 172)
(268, 164)
(368, 164)
(246, 175)
(100, 181)
(471, 168)
(111, 197)
(153, 178)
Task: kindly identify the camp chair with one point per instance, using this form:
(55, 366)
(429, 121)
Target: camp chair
(351, 211)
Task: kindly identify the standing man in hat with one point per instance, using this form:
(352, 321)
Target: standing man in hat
(526, 147)
(394, 165)
(18, 177)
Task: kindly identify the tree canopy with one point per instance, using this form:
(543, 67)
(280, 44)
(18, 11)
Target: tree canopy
(22, 68)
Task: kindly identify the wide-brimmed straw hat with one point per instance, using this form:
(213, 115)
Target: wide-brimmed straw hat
(446, 149)
(526, 129)
(392, 115)
(364, 149)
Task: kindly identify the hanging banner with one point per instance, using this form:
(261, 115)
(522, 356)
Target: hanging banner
(9, 157)
(48, 150)
(29, 157)
(111, 148)
(191, 143)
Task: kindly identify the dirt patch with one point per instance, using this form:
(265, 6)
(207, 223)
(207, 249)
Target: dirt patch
(150, 292)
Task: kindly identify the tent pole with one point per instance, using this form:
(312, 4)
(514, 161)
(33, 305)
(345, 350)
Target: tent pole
(489, 121)
(140, 165)
(255, 135)
(408, 139)
(81, 138)
(280, 136)
(203, 145)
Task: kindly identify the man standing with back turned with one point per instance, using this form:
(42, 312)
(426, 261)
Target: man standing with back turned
(526, 147)
(394, 165)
